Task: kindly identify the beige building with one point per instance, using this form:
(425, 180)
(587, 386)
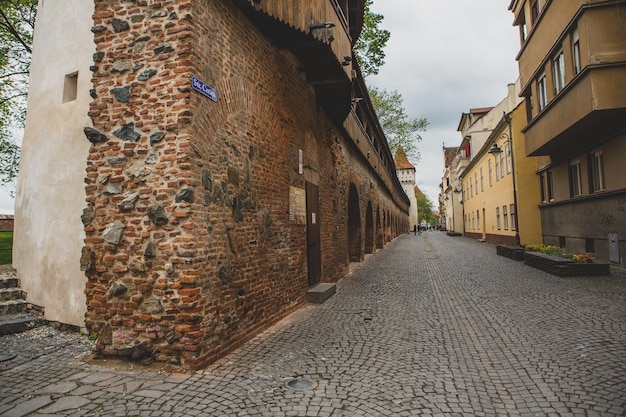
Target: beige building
(572, 65)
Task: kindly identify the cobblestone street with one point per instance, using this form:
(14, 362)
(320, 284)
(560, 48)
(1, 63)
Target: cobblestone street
(431, 326)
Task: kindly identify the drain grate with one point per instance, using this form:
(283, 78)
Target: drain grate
(300, 384)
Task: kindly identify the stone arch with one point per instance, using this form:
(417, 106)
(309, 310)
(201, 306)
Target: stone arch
(379, 230)
(354, 225)
(369, 229)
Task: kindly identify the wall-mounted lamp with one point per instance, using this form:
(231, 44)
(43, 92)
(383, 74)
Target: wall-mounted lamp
(495, 149)
(346, 60)
(324, 25)
(356, 99)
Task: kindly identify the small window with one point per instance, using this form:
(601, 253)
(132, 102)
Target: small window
(497, 167)
(513, 217)
(490, 174)
(70, 87)
(542, 92)
(535, 8)
(498, 218)
(575, 183)
(576, 51)
(501, 156)
(478, 219)
(507, 151)
(597, 170)
(473, 224)
(476, 181)
(506, 218)
(558, 68)
(482, 181)
(562, 242)
(590, 245)
(550, 185)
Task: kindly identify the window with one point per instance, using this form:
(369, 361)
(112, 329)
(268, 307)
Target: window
(497, 167)
(476, 181)
(597, 170)
(513, 217)
(542, 92)
(490, 176)
(473, 221)
(534, 11)
(498, 218)
(478, 219)
(507, 151)
(471, 189)
(576, 51)
(501, 156)
(523, 30)
(482, 181)
(546, 186)
(550, 185)
(506, 218)
(575, 187)
(70, 87)
(558, 68)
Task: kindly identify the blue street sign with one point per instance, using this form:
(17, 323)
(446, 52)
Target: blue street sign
(203, 88)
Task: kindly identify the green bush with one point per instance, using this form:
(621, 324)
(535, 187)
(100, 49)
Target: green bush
(548, 249)
(6, 247)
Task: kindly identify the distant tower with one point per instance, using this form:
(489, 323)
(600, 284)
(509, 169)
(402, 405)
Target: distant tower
(406, 174)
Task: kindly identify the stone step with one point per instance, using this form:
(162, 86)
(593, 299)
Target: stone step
(8, 294)
(17, 323)
(13, 307)
(8, 282)
(321, 292)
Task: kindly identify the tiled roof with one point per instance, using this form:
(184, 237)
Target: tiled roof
(401, 161)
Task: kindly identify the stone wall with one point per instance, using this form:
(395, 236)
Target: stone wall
(190, 250)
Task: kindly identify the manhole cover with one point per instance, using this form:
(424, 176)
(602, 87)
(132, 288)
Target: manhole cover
(6, 357)
(300, 384)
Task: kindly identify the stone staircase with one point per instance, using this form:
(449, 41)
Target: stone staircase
(15, 313)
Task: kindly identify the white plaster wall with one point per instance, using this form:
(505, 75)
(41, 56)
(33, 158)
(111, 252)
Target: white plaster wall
(50, 194)
(407, 179)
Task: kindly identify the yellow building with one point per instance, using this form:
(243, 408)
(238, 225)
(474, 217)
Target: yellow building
(500, 190)
(572, 65)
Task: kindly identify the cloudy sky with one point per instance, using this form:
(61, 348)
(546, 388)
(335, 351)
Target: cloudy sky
(445, 57)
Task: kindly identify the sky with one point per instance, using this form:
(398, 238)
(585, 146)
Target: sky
(445, 57)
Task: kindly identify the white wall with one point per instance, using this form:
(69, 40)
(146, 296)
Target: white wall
(51, 192)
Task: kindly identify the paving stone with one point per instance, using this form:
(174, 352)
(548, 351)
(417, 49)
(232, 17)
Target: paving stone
(430, 326)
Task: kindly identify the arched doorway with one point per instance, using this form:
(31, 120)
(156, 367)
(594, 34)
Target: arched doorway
(354, 226)
(379, 230)
(369, 229)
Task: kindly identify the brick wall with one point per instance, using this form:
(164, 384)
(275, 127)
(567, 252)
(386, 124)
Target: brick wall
(207, 256)
(6, 222)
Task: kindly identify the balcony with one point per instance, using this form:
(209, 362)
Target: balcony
(588, 111)
(319, 34)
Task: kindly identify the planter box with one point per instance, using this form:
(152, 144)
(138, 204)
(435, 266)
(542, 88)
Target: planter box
(512, 252)
(562, 267)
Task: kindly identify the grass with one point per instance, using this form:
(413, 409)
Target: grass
(6, 247)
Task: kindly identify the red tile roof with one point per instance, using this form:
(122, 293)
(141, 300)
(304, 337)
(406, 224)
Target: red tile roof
(401, 161)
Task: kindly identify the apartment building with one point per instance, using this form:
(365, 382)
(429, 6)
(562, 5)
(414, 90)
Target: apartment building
(572, 65)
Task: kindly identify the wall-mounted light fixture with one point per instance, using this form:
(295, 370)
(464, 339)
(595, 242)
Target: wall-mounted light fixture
(495, 149)
(356, 99)
(324, 25)
(346, 60)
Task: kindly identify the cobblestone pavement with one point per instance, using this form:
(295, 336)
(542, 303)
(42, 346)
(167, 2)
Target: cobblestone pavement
(431, 326)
